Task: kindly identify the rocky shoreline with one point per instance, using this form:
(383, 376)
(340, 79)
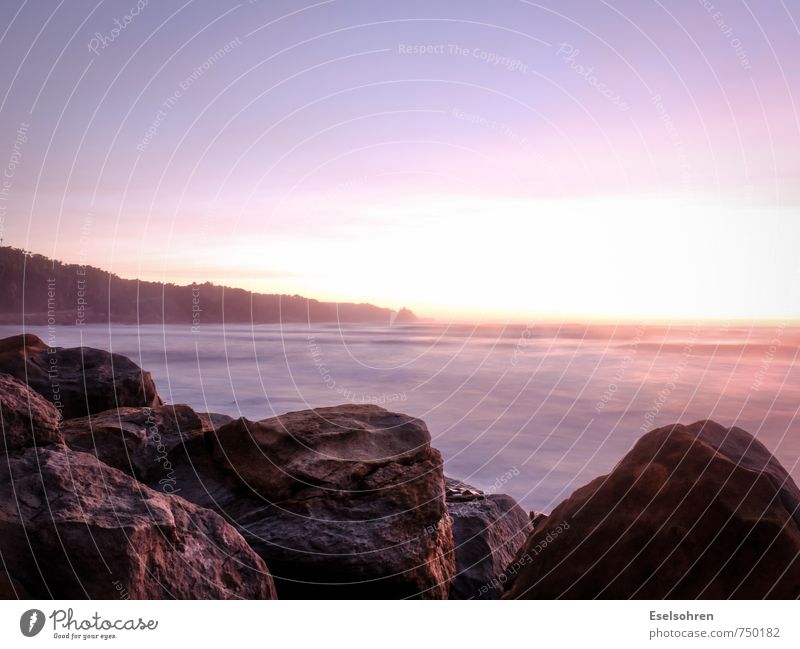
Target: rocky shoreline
(107, 490)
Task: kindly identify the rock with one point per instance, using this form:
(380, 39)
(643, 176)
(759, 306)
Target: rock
(73, 527)
(538, 518)
(341, 502)
(696, 511)
(27, 418)
(214, 420)
(457, 491)
(79, 381)
(138, 440)
(196, 476)
(488, 530)
(10, 588)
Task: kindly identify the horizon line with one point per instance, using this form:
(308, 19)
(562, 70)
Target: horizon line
(564, 319)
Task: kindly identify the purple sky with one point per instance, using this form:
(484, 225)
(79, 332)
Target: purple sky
(500, 159)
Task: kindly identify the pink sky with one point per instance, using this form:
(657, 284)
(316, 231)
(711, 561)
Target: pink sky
(464, 159)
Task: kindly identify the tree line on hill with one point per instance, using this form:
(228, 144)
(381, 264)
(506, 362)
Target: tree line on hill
(47, 291)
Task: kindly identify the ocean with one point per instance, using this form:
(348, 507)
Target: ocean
(531, 410)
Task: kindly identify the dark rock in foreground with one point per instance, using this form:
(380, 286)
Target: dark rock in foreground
(341, 502)
(488, 530)
(696, 511)
(73, 527)
(10, 588)
(79, 381)
(27, 418)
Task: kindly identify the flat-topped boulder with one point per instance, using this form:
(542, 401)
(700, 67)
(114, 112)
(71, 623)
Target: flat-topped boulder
(138, 441)
(488, 530)
(341, 502)
(73, 527)
(27, 418)
(78, 380)
(698, 511)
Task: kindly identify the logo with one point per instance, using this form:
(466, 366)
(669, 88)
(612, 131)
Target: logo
(31, 622)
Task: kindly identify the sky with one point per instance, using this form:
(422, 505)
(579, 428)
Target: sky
(501, 160)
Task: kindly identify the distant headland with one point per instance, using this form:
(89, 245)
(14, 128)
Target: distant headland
(44, 291)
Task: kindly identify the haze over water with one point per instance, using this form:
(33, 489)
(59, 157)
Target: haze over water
(534, 411)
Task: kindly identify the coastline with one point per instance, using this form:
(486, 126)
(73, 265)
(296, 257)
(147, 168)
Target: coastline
(351, 501)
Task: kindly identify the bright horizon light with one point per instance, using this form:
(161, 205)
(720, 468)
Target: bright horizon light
(639, 257)
(627, 257)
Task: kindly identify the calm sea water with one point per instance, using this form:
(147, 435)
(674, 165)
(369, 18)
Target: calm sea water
(532, 411)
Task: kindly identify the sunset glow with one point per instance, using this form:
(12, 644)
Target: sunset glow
(590, 257)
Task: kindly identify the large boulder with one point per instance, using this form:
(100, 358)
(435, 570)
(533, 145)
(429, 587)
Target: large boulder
(341, 502)
(488, 530)
(26, 418)
(72, 527)
(138, 441)
(698, 511)
(79, 381)
(10, 588)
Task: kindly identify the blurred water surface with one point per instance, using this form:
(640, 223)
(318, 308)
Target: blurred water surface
(534, 411)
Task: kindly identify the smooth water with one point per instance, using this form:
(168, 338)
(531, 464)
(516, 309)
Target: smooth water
(532, 411)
